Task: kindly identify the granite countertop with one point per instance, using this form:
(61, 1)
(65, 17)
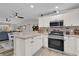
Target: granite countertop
(25, 35)
(72, 35)
(45, 33)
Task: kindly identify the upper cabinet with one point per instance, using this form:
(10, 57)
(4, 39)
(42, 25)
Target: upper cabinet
(57, 17)
(44, 21)
(71, 18)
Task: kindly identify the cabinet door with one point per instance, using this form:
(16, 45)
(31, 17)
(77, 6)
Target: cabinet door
(40, 22)
(70, 45)
(45, 41)
(28, 47)
(44, 21)
(57, 17)
(71, 19)
(77, 38)
(19, 47)
(67, 19)
(37, 43)
(34, 45)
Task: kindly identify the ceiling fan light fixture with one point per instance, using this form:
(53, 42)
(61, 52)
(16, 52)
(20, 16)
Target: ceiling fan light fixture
(57, 12)
(16, 17)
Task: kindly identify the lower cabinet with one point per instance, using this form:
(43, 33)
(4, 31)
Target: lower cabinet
(77, 45)
(70, 45)
(19, 45)
(45, 41)
(27, 47)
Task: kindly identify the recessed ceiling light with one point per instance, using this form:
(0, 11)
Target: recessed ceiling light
(31, 6)
(56, 7)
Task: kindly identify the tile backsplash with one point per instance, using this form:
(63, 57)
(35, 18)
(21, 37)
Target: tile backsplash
(69, 30)
(43, 29)
(73, 30)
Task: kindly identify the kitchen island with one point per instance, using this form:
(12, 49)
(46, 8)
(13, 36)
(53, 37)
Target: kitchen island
(27, 44)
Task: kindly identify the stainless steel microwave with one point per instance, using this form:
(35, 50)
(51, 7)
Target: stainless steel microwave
(56, 23)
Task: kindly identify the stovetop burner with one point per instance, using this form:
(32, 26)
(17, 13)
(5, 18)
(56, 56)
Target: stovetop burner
(58, 33)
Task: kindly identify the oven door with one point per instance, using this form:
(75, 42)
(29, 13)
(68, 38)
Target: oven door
(56, 44)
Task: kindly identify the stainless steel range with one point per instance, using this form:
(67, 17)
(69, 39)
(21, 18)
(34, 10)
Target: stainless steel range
(56, 40)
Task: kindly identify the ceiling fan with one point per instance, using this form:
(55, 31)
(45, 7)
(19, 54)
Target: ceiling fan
(16, 15)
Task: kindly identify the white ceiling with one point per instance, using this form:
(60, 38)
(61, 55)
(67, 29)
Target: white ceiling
(32, 13)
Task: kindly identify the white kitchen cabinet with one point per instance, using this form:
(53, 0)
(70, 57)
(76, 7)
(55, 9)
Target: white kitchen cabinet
(27, 47)
(19, 45)
(71, 18)
(45, 41)
(77, 47)
(37, 44)
(68, 19)
(44, 21)
(70, 45)
(57, 17)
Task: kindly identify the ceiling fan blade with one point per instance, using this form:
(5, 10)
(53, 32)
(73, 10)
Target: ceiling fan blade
(16, 15)
(20, 17)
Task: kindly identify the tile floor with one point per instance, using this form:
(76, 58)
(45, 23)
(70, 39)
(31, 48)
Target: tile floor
(47, 52)
(41, 52)
(7, 53)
